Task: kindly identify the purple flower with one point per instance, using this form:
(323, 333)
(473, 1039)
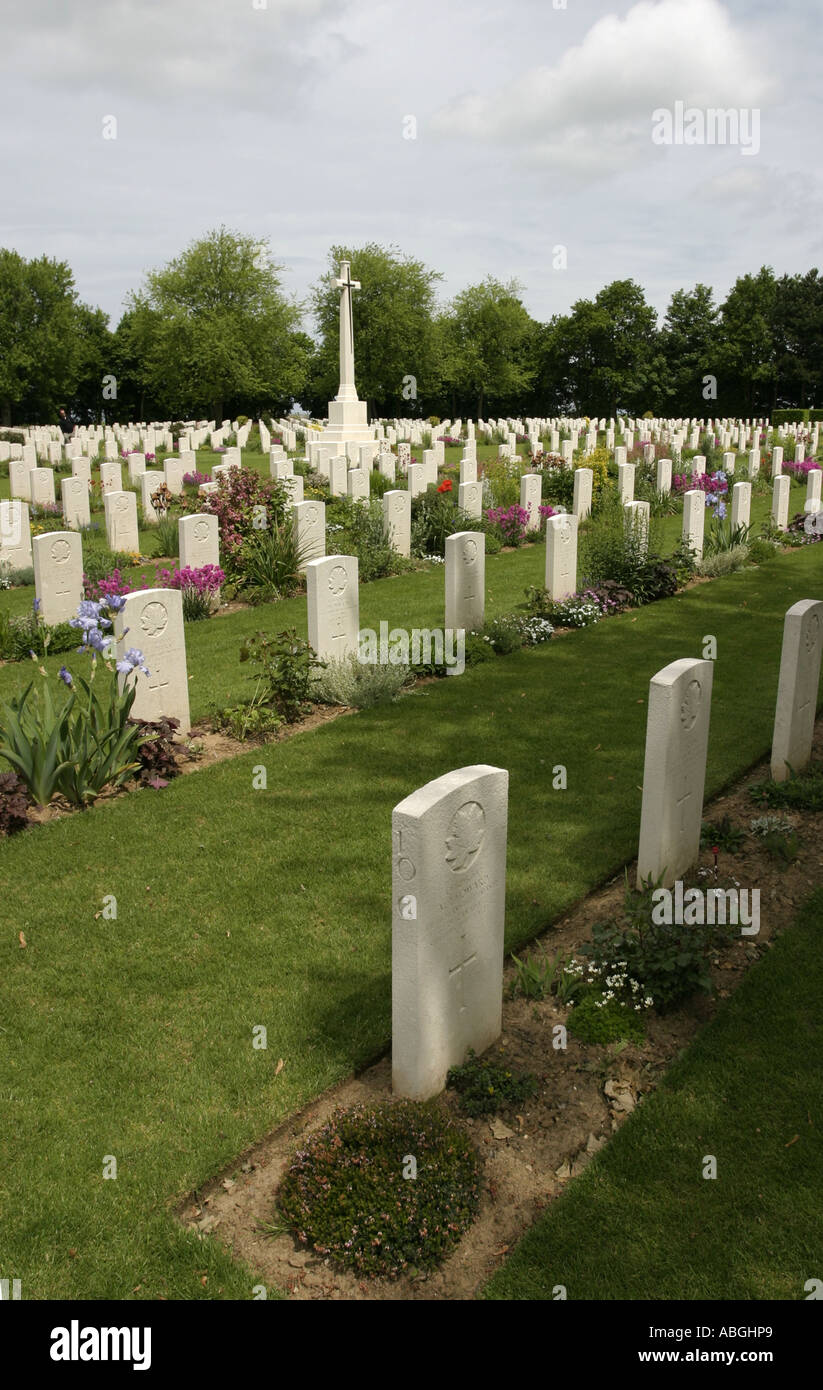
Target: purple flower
(116, 602)
(94, 638)
(133, 660)
(36, 605)
(721, 510)
(65, 676)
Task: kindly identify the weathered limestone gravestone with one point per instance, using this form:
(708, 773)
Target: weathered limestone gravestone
(741, 504)
(625, 482)
(20, 479)
(310, 528)
(530, 493)
(674, 774)
(638, 517)
(154, 619)
(780, 501)
(198, 540)
(416, 475)
(397, 520)
(465, 580)
(797, 688)
(150, 481)
(561, 556)
(74, 493)
(813, 482)
(333, 605)
(58, 573)
(15, 534)
(694, 520)
(358, 484)
(582, 500)
(111, 478)
(470, 499)
(664, 476)
(41, 482)
(448, 913)
(121, 521)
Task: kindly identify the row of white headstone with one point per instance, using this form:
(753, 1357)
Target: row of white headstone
(57, 556)
(449, 856)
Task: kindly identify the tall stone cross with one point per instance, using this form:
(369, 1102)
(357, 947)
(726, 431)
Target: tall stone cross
(345, 284)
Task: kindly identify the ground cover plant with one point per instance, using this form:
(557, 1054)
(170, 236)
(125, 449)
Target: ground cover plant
(351, 1195)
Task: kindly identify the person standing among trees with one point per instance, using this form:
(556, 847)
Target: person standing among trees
(65, 423)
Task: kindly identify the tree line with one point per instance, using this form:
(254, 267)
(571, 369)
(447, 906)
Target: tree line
(213, 334)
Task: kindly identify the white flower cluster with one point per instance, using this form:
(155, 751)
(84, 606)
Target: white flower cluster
(579, 613)
(536, 630)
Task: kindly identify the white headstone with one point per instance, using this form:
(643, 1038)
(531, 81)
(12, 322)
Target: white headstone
(397, 520)
(741, 504)
(777, 460)
(198, 540)
(780, 501)
(15, 535)
(136, 465)
(674, 774)
(583, 483)
(120, 510)
(74, 493)
(561, 556)
(42, 486)
(754, 462)
(694, 520)
(173, 470)
(530, 494)
(20, 479)
(111, 478)
(625, 482)
(333, 606)
(358, 485)
(664, 476)
(281, 468)
(470, 499)
(465, 580)
(151, 622)
(448, 917)
(310, 528)
(813, 481)
(150, 481)
(416, 475)
(58, 574)
(338, 475)
(797, 688)
(294, 490)
(638, 516)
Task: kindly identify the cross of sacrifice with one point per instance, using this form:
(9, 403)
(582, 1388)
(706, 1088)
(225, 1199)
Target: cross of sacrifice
(345, 287)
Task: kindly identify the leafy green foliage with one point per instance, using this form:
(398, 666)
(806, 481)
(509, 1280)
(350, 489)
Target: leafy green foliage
(157, 763)
(670, 962)
(802, 791)
(346, 1194)
(76, 748)
(484, 1087)
(360, 684)
(723, 834)
(27, 632)
(252, 720)
(435, 516)
(538, 976)
(364, 536)
(270, 562)
(289, 667)
(595, 1020)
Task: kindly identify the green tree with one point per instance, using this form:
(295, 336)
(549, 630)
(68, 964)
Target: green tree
(488, 337)
(610, 349)
(798, 335)
(395, 362)
(38, 337)
(749, 345)
(214, 331)
(691, 351)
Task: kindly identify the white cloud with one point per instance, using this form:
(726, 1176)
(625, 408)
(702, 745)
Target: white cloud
(592, 108)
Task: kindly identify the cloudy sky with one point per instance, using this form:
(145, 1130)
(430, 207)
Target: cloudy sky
(290, 120)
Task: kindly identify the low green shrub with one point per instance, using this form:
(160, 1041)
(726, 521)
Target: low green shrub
(802, 791)
(722, 562)
(599, 1020)
(383, 1189)
(289, 669)
(484, 1086)
(361, 685)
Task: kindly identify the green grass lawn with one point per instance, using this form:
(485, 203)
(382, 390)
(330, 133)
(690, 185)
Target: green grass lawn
(643, 1223)
(238, 907)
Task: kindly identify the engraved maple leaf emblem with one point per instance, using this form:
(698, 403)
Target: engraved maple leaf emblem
(465, 836)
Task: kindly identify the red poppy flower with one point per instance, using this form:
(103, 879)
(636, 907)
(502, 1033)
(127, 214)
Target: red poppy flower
(445, 486)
